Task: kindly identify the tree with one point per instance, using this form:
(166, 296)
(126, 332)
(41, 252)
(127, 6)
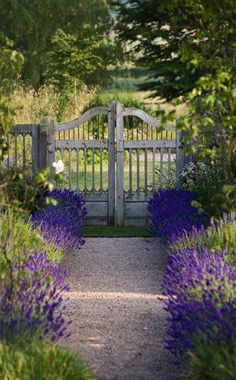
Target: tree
(190, 48)
(33, 24)
(10, 65)
(72, 60)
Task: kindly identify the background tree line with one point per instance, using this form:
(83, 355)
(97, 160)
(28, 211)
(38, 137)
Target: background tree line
(61, 40)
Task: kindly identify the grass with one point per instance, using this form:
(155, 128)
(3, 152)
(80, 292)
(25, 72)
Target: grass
(113, 231)
(126, 175)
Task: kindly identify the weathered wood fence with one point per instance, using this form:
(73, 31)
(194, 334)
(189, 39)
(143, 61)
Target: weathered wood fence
(115, 156)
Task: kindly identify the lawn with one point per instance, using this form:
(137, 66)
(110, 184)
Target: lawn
(97, 177)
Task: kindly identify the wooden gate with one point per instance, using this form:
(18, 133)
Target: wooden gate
(115, 156)
(146, 161)
(87, 147)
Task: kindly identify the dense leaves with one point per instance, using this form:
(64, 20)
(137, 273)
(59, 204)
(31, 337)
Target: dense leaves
(33, 26)
(189, 47)
(37, 360)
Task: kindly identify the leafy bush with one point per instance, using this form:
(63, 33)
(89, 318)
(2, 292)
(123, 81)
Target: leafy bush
(19, 240)
(172, 213)
(206, 179)
(127, 99)
(213, 362)
(218, 236)
(62, 223)
(35, 360)
(32, 302)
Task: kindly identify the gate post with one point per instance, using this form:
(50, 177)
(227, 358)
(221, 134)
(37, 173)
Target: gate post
(182, 159)
(120, 163)
(111, 163)
(46, 142)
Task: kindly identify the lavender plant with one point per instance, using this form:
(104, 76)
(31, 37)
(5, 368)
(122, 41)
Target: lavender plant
(202, 301)
(172, 213)
(62, 223)
(33, 303)
(220, 235)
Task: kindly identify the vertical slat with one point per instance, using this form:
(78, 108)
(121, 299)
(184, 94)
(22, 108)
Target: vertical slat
(142, 130)
(35, 148)
(69, 168)
(153, 169)
(77, 169)
(85, 169)
(111, 163)
(101, 171)
(62, 158)
(120, 164)
(138, 171)
(93, 133)
(98, 127)
(161, 167)
(130, 170)
(169, 158)
(93, 170)
(179, 157)
(145, 169)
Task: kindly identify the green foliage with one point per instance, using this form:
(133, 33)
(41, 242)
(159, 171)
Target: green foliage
(35, 360)
(19, 240)
(72, 60)
(33, 26)
(10, 65)
(219, 236)
(206, 178)
(127, 99)
(212, 362)
(189, 47)
(168, 178)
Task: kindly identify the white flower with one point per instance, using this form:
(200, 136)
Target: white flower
(59, 166)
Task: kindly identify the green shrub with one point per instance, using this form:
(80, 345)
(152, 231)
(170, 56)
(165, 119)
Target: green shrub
(19, 240)
(38, 361)
(213, 362)
(128, 100)
(218, 237)
(206, 179)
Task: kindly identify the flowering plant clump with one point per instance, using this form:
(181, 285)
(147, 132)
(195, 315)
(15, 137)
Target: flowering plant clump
(202, 300)
(172, 213)
(62, 223)
(33, 303)
(220, 235)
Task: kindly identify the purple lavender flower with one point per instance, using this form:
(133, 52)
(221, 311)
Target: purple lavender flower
(36, 303)
(172, 214)
(62, 224)
(202, 301)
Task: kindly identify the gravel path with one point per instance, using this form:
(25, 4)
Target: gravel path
(116, 306)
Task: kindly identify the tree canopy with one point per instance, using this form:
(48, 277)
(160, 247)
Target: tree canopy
(34, 27)
(179, 40)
